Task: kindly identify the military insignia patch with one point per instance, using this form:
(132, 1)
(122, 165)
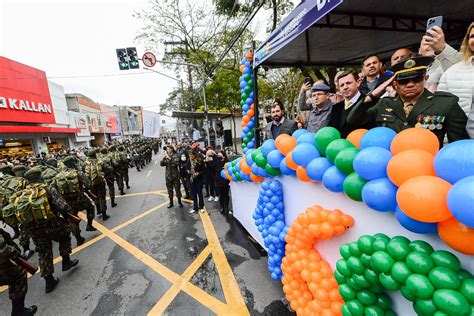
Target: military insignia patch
(410, 63)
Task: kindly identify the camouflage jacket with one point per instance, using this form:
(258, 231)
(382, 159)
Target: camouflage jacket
(8, 249)
(172, 167)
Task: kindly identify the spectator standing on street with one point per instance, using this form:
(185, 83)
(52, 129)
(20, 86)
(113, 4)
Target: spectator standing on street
(211, 174)
(171, 162)
(320, 108)
(279, 125)
(372, 67)
(222, 185)
(197, 171)
(185, 173)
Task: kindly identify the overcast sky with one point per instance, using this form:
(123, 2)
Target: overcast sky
(67, 38)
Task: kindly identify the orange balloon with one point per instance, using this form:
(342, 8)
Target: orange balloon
(355, 136)
(285, 143)
(242, 67)
(301, 174)
(249, 56)
(457, 235)
(250, 112)
(246, 169)
(228, 176)
(410, 164)
(255, 178)
(424, 199)
(290, 163)
(246, 119)
(415, 138)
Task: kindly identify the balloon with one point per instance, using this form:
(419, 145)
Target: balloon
(324, 137)
(249, 157)
(457, 235)
(304, 153)
(353, 185)
(267, 146)
(306, 138)
(461, 201)
(410, 164)
(245, 167)
(317, 167)
(333, 179)
(285, 170)
(355, 137)
(378, 137)
(414, 225)
(285, 143)
(424, 198)
(290, 162)
(274, 172)
(301, 174)
(380, 195)
(454, 162)
(451, 302)
(260, 160)
(415, 138)
(256, 178)
(299, 132)
(335, 147)
(371, 163)
(344, 159)
(274, 158)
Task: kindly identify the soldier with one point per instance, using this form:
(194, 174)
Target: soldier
(114, 158)
(105, 160)
(72, 184)
(171, 162)
(94, 171)
(414, 106)
(123, 164)
(14, 276)
(136, 157)
(50, 171)
(45, 225)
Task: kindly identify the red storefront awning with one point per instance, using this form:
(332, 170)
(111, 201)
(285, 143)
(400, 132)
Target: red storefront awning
(36, 129)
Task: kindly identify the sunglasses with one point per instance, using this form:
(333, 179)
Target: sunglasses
(404, 82)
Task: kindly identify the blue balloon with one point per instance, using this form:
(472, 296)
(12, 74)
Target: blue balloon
(378, 137)
(268, 146)
(251, 94)
(249, 101)
(254, 168)
(299, 132)
(248, 157)
(246, 107)
(302, 154)
(371, 163)
(461, 201)
(306, 138)
(274, 158)
(243, 84)
(251, 144)
(247, 64)
(246, 71)
(333, 179)
(455, 161)
(250, 124)
(380, 195)
(285, 169)
(317, 167)
(275, 186)
(413, 225)
(223, 174)
(237, 168)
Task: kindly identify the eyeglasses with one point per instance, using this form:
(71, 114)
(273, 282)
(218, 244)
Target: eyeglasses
(404, 82)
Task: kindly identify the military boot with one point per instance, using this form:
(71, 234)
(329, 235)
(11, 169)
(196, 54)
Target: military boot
(89, 226)
(80, 240)
(51, 283)
(122, 192)
(105, 216)
(68, 263)
(18, 308)
(180, 203)
(128, 187)
(113, 202)
(170, 205)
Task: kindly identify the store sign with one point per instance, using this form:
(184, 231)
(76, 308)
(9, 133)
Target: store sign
(81, 122)
(25, 96)
(94, 123)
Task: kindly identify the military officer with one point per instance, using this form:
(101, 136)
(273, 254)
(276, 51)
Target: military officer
(414, 105)
(171, 162)
(94, 171)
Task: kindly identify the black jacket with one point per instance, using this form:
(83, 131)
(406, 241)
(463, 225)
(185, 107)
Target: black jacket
(339, 116)
(220, 182)
(364, 89)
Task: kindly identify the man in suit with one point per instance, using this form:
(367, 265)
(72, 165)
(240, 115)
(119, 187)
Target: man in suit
(279, 125)
(349, 87)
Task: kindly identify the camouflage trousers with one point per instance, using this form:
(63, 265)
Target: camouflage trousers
(15, 277)
(43, 237)
(23, 238)
(119, 180)
(124, 171)
(99, 191)
(173, 184)
(80, 203)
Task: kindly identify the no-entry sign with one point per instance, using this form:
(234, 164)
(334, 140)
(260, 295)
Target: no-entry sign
(149, 59)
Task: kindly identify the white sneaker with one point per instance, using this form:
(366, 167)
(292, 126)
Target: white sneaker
(216, 199)
(192, 211)
(230, 212)
(211, 198)
(202, 210)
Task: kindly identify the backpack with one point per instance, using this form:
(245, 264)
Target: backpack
(30, 207)
(10, 186)
(48, 175)
(67, 182)
(93, 170)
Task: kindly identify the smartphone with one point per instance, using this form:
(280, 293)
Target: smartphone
(308, 80)
(434, 21)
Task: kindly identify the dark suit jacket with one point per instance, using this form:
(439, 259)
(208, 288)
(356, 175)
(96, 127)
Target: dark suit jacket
(364, 89)
(339, 119)
(287, 127)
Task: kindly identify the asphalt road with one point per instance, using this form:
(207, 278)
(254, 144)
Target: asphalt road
(147, 259)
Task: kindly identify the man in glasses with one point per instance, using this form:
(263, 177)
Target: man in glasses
(414, 105)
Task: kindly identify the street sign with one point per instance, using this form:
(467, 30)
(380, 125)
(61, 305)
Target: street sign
(149, 59)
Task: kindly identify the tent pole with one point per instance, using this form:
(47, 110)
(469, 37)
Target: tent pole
(255, 101)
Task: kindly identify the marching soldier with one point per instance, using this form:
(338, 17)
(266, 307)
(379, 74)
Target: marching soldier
(105, 160)
(136, 157)
(114, 158)
(94, 171)
(123, 164)
(171, 162)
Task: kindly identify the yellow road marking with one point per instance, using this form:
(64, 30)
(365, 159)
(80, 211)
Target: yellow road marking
(170, 295)
(136, 194)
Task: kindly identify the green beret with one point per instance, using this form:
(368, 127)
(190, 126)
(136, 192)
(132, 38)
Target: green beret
(121, 148)
(112, 148)
(33, 173)
(19, 168)
(69, 161)
(103, 151)
(91, 153)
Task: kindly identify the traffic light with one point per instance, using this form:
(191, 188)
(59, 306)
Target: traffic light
(122, 58)
(133, 58)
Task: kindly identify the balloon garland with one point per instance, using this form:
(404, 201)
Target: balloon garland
(269, 217)
(247, 102)
(308, 280)
(432, 280)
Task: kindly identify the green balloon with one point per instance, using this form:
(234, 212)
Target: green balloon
(420, 286)
(421, 246)
(390, 313)
(381, 261)
(451, 302)
(234, 162)
(443, 258)
(380, 242)
(371, 276)
(378, 289)
(255, 153)
(425, 307)
(344, 159)
(335, 147)
(444, 278)
(353, 185)
(347, 293)
(360, 281)
(340, 278)
(464, 275)
(238, 177)
(250, 134)
(244, 97)
(374, 311)
(388, 282)
(467, 290)
(365, 242)
(246, 140)
(250, 82)
(365, 258)
(343, 268)
(384, 301)
(324, 137)
(400, 272)
(242, 102)
(440, 313)
(274, 172)
(247, 77)
(407, 293)
(248, 89)
(354, 249)
(344, 251)
(355, 307)
(419, 262)
(366, 297)
(260, 160)
(355, 265)
(352, 283)
(398, 249)
(345, 311)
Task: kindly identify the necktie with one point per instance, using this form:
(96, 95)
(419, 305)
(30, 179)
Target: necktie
(407, 108)
(347, 104)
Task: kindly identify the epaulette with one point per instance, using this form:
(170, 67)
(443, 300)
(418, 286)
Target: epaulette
(445, 94)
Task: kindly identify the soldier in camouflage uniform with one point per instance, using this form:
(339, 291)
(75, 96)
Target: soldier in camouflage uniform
(136, 156)
(97, 183)
(49, 171)
(54, 230)
(107, 162)
(77, 200)
(115, 159)
(14, 276)
(171, 162)
(123, 164)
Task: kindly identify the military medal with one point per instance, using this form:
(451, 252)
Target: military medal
(439, 126)
(432, 127)
(418, 125)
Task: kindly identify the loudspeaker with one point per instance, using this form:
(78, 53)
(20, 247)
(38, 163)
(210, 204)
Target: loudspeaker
(227, 138)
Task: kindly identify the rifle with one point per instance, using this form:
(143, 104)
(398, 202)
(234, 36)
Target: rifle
(91, 195)
(25, 265)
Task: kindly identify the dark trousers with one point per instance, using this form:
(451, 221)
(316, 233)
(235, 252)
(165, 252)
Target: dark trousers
(186, 184)
(212, 186)
(224, 197)
(196, 191)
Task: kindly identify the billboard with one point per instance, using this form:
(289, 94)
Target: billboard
(24, 94)
(151, 124)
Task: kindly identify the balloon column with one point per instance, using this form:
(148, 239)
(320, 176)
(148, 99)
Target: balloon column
(432, 280)
(269, 217)
(308, 280)
(247, 102)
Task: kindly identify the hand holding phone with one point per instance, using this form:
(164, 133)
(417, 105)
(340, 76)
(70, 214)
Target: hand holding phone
(434, 21)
